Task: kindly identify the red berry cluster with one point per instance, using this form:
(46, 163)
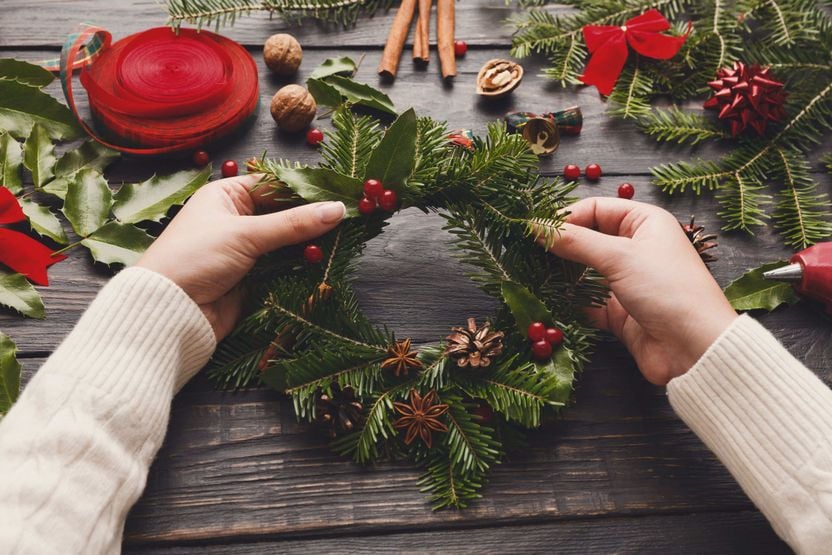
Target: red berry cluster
(543, 340)
(376, 196)
(572, 172)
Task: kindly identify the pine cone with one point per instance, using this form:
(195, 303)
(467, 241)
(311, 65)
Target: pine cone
(339, 412)
(474, 346)
(701, 241)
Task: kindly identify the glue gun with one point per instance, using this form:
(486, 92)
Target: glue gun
(810, 272)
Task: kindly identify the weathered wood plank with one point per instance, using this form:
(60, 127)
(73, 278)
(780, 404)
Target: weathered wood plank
(745, 532)
(480, 22)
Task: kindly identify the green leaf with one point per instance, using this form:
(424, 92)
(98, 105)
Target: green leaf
(752, 291)
(393, 159)
(18, 294)
(43, 221)
(90, 154)
(39, 155)
(334, 66)
(524, 306)
(365, 95)
(117, 243)
(9, 373)
(11, 155)
(22, 106)
(88, 202)
(324, 93)
(24, 72)
(562, 367)
(151, 200)
(317, 184)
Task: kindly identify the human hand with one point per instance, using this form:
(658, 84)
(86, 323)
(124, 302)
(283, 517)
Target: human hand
(216, 238)
(665, 306)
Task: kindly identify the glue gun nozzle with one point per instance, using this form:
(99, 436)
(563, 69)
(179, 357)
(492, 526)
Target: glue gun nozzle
(791, 272)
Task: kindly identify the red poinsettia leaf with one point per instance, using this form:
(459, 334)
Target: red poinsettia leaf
(23, 254)
(10, 211)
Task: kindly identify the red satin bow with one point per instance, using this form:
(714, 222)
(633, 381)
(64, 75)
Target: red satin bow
(20, 252)
(607, 46)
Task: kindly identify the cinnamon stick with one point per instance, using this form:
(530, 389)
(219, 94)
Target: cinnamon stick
(445, 37)
(421, 39)
(396, 38)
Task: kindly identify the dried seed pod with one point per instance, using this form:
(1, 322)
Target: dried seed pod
(498, 78)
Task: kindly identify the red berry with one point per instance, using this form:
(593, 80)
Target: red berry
(593, 172)
(571, 172)
(554, 336)
(625, 190)
(536, 331)
(229, 168)
(201, 158)
(542, 350)
(373, 188)
(313, 254)
(484, 412)
(366, 206)
(460, 48)
(314, 137)
(388, 200)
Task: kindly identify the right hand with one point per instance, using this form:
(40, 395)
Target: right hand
(665, 306)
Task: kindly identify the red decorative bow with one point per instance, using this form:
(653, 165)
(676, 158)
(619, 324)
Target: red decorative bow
(607, 46)
(20, 252)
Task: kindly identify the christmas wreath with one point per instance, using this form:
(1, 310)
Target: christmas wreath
(453, 407)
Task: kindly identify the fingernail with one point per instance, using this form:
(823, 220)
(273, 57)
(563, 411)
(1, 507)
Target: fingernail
(331, 212)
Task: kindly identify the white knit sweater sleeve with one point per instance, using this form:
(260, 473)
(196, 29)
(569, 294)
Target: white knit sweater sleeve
(76, 447)
(769, 420)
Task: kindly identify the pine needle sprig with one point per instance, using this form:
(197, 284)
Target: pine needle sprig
(680, 126)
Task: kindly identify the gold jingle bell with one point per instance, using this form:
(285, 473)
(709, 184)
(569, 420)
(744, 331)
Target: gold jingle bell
(542, 135)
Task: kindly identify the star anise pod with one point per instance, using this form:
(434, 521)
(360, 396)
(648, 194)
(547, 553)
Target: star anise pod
(401, 359)
(339, 412)
(700, 240)
(474, 346)
(420, 417)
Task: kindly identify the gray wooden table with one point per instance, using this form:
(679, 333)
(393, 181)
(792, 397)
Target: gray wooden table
(618, 473)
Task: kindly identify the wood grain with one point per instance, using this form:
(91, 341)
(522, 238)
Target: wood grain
(617, 473)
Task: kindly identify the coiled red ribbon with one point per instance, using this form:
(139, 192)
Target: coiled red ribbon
(159, 91)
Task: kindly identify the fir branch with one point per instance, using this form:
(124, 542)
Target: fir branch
(742, 203)
(801, 213)
(680, 126)
(680, 176)
(630, 99)
(226, 12)
(351, 143)
(446, 484)
(470, 445)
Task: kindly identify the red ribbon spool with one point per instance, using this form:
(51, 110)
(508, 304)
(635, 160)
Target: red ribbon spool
(160, 91)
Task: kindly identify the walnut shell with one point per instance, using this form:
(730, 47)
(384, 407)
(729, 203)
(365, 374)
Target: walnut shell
(283, 54)
(293, 108)
(498, 78)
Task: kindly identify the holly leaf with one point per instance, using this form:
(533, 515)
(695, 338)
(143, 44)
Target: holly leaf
(359, 93)
(117, 243)
(11, 155)
(334, 66)
(752, 291)
(9, 373)
(90, 155)
(151, 199)
(318, 184)
(43, 221)
(524, 306)
(22, 106)
(88, 202)
(392, 160)
(560, 365)
(39, 155)
(24, 72)
(18, 294)
(324, 93)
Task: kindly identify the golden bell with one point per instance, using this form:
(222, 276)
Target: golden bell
(542, 135)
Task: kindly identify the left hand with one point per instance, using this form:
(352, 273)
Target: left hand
(216, 238)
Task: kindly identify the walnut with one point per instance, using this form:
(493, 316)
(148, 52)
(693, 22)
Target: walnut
(293, 108)
(283, 54)
(498, 78)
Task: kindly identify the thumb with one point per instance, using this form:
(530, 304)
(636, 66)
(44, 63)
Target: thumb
(270, 232)
(589, 247)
